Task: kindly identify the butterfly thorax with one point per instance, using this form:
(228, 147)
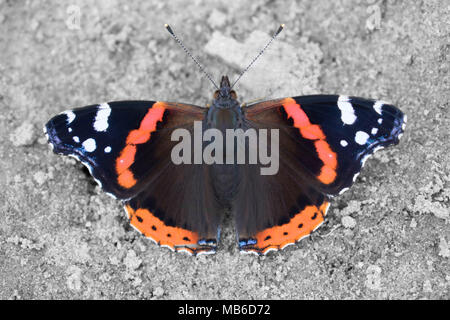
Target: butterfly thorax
(225, 111)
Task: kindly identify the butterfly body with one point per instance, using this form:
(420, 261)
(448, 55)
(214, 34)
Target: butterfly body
(224, 114)
(128, 147)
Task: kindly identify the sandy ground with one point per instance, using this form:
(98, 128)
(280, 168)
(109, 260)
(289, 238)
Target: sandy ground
(61, 237)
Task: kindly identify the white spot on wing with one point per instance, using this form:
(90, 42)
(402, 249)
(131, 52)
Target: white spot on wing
(148, 237)
(269, 250)
(377, 106)
(108, 149)
(287, 245)
(347, 111)
(206, 252)
(380, 121)
(88, 166)
(344, 143)
(318, 226)
(249, 252)
(167, 246)
(111, 195)
(70, 116)
(89, 145)
(374, 131)
(101, 119)
(185, 251)
(98, 182)
(126, 212)
(69, 129)
(76, 139)
(302, 237)
(361, 137)
(364, 159)
(326, 209)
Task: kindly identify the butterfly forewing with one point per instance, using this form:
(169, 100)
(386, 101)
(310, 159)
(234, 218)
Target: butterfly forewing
(333, 135)
(127, 146)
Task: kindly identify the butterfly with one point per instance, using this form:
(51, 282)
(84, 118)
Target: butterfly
(323, 142)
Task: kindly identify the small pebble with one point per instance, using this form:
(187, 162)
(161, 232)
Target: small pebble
(348, 222)
(158, 292)
(444, 250)
(132, 261)
(40, 178)
(24, 135)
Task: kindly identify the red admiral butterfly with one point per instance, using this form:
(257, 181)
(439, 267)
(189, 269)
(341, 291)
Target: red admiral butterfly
(324, 141)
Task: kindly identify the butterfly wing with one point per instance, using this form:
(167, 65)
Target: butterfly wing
(126, 146)
(324, 142)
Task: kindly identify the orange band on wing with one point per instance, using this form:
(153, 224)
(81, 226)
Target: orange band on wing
(313, 132)
(148, 124)
(126, 158)
(125, 177)
(301, 225)
(155, 229)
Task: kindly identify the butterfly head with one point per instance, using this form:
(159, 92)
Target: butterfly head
(224, 94)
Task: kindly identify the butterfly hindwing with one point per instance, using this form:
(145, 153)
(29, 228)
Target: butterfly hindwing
(127, 146)
(273, 211)
(323, 143)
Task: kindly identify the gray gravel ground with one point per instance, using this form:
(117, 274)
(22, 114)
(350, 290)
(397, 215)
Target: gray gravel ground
(61, 237)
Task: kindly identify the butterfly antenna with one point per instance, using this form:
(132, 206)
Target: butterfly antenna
(280, 28)
(190, 55)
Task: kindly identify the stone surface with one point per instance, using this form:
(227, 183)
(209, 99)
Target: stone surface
(61, 238)
(283, 68)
